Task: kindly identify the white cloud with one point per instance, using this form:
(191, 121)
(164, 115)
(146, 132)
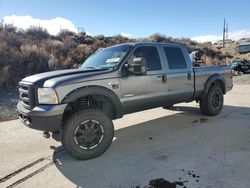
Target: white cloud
(124, 34)
(53, 25)
(234, 35)
(88, 33)
(207, 38)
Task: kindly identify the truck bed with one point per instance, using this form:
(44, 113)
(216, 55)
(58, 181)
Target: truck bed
(203, 73)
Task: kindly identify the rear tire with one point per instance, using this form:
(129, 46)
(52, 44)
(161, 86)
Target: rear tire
(212, 103)
(87, 134)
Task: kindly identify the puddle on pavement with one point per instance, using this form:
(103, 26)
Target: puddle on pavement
(246, 114)
(201, 120)
(162, 183)
(182, 182)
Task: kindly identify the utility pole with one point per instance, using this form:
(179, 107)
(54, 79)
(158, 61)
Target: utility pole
(224, 32)
(227, 37)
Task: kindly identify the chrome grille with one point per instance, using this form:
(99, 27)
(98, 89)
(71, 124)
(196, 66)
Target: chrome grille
(25, 95)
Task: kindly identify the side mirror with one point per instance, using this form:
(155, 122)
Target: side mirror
(137, 67)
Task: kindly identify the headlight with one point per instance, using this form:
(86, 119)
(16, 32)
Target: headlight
(47, 96)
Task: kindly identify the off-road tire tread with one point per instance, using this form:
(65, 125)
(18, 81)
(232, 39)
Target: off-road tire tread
(204, 103)
(69, 145)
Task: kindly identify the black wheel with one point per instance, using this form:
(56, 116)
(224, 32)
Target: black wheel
(168, 106)
(87, 134)
(212, 103)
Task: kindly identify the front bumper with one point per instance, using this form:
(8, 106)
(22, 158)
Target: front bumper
(42, 117)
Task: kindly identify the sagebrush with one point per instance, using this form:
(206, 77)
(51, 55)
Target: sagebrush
(23, 53)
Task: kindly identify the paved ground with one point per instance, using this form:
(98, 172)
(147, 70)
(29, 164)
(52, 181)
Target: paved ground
(176, 145)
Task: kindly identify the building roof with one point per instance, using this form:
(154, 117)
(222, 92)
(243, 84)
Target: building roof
(244, 44)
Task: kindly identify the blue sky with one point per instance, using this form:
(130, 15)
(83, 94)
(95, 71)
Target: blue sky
(176, 18)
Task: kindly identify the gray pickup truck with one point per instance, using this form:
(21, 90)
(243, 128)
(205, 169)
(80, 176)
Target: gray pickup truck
(80, 104)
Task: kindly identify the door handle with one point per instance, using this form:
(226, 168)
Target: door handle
(163, 78)
(189, 76)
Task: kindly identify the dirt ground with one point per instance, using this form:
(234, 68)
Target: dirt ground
(8, 102)
(158, 148)
(243, 79)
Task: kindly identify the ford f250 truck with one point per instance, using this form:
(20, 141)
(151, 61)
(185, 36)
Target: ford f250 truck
(81, 103)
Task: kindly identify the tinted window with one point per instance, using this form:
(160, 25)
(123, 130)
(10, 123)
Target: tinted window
(150, 56)
(175, 58)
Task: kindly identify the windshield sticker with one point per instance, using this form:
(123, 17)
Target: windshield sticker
(113, 60)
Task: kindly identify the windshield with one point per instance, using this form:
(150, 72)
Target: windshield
(106, 58)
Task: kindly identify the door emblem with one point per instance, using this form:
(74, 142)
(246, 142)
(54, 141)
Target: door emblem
(113, 84)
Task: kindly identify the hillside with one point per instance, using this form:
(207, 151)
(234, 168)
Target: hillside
(23, 53)
(231, 49)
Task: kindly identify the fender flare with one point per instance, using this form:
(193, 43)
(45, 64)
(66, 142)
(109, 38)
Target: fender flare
(96, 90)
(211, 80)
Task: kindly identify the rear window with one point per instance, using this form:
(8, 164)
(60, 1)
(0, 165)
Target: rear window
(175, 58)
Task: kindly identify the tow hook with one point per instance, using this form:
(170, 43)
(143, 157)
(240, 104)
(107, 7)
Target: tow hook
(46, 134)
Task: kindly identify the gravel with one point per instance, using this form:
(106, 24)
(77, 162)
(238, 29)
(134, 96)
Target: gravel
(243, 79)
(8, 102)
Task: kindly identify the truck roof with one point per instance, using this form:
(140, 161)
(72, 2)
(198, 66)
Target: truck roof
(151, 43)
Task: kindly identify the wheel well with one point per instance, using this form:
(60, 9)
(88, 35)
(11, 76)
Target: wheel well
(219, 83)
(90, 102)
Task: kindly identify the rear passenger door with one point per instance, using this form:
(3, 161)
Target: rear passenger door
(179, 74)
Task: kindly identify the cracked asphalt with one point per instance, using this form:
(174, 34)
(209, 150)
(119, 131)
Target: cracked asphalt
(178, 144)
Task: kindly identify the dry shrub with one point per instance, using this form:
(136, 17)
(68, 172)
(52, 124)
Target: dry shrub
(5, 76)
(37, 33)
(24, 53)
(35, 59)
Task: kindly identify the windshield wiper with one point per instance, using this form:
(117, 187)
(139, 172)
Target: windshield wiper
(97, 68)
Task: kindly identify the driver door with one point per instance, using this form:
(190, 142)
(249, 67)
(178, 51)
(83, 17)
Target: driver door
(140, 92)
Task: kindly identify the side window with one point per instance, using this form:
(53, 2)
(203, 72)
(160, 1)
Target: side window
(150, 55)
(175, 58)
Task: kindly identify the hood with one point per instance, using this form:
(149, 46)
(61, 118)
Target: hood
(60, 75)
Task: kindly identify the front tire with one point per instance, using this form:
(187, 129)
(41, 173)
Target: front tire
(87, 134)
(212, 103)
